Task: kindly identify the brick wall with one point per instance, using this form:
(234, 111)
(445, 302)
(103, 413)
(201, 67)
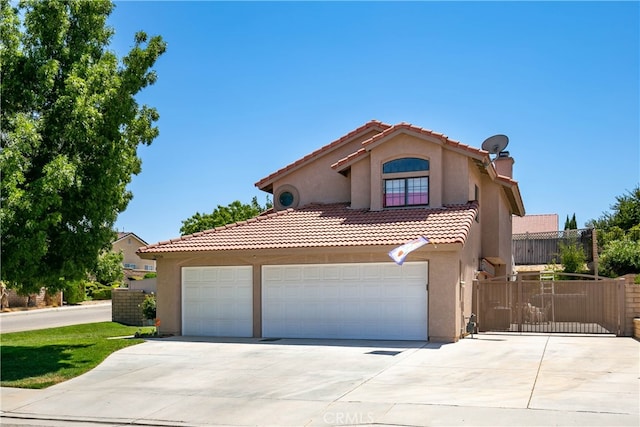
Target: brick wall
(125, 306)
(631, 303)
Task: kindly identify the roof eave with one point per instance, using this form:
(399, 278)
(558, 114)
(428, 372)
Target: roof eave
(512, 191)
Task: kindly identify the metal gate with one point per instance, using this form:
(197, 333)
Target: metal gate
(580, 304)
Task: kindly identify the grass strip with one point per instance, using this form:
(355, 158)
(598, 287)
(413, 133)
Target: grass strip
(42, 358)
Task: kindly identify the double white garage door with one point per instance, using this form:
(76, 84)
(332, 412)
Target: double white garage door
(357, 301)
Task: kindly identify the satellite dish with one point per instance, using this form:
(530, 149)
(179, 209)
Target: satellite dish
(495, 144)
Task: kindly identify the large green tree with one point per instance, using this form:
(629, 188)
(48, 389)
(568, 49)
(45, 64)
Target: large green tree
(223, 215)
(621, 221)
(70, 131)
(619, 235)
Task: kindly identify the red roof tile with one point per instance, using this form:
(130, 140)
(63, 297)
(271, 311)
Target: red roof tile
(330, 225)
(373, 124)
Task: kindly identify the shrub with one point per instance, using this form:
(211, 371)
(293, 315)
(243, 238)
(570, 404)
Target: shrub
(74, 292)
(572, 257)
(149, 307)
(102, 294)
(150, 275)
(620, 257)
(91, 287)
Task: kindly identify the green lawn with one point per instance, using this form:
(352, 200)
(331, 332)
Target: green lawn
(39, 359)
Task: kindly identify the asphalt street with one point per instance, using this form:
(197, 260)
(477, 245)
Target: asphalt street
(18, 321)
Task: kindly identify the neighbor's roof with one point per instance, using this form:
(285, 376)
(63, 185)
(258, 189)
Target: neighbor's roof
(331, 225)
(123, 234)
(534, 223)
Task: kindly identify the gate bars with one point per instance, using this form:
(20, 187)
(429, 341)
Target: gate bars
(581, 304)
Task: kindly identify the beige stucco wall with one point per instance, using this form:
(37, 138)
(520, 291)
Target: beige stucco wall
(360, 177)
(404, 145)
(470, 262)
(443, 303)
(444, 307)
(495, 217)
(452, 175)
(455, 178)
(317, 182)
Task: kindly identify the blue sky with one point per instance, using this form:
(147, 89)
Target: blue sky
(246, 88)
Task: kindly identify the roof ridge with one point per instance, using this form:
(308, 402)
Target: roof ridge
(407, 126)
(338, 141)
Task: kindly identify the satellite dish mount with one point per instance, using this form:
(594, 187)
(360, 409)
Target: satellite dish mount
(495, 144)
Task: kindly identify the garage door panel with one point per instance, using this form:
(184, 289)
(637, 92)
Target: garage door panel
(312, 274)
(217, 301)
(350, 301)
(191, 275)
(351, 273)
(293, 274)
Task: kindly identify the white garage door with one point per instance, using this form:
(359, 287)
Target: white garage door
(217, 301)
(358, 301)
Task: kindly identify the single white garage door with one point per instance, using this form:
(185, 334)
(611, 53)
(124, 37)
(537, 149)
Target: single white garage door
(349, 301)
(217, 301)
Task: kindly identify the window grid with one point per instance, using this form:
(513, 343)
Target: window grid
(406, 192)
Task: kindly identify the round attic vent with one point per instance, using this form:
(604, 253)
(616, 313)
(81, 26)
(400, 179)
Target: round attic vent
(286, 197)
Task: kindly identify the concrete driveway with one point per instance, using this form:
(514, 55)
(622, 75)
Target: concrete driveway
(494, 379)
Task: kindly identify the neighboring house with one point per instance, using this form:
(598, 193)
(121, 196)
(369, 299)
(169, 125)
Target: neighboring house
(541, 223)
(317, 264)
(534, 242)
(128, 244)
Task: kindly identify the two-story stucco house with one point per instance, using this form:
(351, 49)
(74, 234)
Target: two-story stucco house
(317, 264)
(128, 243)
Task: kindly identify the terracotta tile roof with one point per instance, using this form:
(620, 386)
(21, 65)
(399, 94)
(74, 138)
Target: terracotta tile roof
(406, 127)
(534, 223)
(330, 225)
(373, 124)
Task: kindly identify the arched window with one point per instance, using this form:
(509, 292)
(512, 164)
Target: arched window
(407, 164)
(406, 182)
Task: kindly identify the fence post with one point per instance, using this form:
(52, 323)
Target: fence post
(519, 303)
(476, 304)
(594, 251)
(622, 308)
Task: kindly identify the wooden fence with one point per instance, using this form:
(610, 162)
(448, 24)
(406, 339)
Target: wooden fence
(544, 248)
